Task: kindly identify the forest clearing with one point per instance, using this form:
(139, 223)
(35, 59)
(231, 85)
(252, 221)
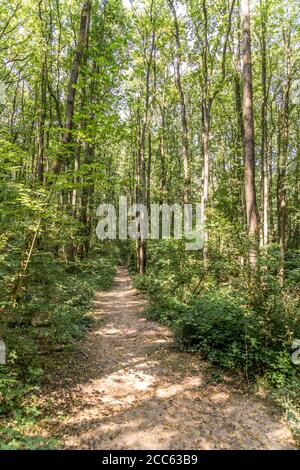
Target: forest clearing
(149, 225)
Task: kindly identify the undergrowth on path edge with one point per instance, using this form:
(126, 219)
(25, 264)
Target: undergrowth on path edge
(53, 316)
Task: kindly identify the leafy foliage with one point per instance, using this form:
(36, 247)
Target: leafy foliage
(52, 316)
(237, 328)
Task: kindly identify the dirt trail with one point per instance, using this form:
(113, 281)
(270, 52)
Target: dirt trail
(129, 387)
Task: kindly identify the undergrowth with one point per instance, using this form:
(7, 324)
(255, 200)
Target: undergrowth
(51, 315)
(236, 321)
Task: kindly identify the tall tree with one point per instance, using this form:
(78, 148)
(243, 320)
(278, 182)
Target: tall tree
(283, 134)
(250, 191)
(183, 107)
(264, 126)
(71, 94)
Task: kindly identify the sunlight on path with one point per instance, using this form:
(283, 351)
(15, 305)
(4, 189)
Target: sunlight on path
(133, 390)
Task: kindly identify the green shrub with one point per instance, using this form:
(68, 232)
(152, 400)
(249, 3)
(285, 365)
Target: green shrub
(52, 313)
(237, 324)
(68, 324)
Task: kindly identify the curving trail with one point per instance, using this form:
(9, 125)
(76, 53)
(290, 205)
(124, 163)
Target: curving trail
(130, 388)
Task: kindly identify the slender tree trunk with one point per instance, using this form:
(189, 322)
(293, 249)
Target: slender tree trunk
(42, 119)
(264, 134)
(142, 184)
(296, 237)
(184, 120)
(70, 102)
(272, 234)
(240, 123)
(162, 152)
(282, 161)
(251, 206)
(206, 107)
(205, 193)
(149, 173)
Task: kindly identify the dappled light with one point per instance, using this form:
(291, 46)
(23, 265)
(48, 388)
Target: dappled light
(149, 226)
(134, 390)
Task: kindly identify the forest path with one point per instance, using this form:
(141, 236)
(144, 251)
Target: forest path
(131, 388)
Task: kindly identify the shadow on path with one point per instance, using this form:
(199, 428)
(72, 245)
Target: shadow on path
(128, 387)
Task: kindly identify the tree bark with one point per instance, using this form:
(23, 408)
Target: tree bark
(184, 120)
(205, 193)
(251, 206)
(282, 160)
(207, 102)
(70, 102)
(141, 174)
(42, 119)
(264, 133)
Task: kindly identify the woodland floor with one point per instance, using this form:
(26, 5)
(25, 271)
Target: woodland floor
(129, 386)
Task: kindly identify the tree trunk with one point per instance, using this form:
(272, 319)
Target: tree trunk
(70, 102)
(141, 180)
(42, 119)
(205, 193)
(264, 135)
(149, 173)
(282, 161)
(184, 121)
(251, 206)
